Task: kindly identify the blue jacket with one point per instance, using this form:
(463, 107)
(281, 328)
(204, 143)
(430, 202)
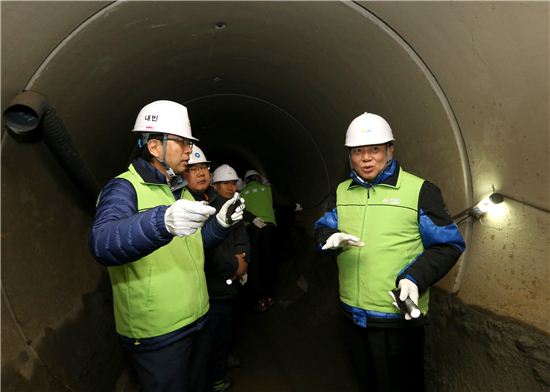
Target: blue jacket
(120, 234)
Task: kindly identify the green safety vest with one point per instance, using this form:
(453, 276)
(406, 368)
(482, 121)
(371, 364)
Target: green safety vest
(259, 200)
(385, 218)
(165, 290)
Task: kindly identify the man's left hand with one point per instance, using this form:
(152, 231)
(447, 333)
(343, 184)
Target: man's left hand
(229, 214)
(408, 289)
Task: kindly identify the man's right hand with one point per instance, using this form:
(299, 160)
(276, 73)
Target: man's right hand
(339, 240)
(243, 265)
(184, 217)
(259, 223)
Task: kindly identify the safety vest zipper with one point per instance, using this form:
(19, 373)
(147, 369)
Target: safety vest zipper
(359, 250)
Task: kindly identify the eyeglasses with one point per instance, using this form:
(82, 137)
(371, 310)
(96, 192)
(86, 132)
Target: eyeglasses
(182, 142)
(198, 167)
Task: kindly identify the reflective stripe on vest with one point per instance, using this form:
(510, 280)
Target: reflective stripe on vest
(165, 290)
(386, 219)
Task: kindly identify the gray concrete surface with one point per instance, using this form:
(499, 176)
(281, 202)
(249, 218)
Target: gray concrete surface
(464, 85)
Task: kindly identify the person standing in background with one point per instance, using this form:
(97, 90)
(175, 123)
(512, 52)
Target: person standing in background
(262, 233)
(225, 268)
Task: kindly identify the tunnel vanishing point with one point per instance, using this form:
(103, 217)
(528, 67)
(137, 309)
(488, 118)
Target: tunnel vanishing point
(465, 86)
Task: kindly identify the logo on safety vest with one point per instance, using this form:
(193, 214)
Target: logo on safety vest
(391, 200)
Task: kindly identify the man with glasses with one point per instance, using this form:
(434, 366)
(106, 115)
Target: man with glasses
(197, 175)
(225, 268)
(224, 265)
(146, 231)
(389, 230)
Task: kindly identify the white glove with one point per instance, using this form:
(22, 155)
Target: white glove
(184, 217)
(338, 240)
(298, 207)
(259, 223)
(232, 211)
(408, 289)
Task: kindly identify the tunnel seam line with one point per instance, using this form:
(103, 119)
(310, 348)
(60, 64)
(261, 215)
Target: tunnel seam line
(63, 42)
(529, 204)
(28, 342)
(451, 116)
(303, 128)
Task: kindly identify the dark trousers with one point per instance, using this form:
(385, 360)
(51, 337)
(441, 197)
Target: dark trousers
(178, 367)
(389, 359)
(263, 269)
(219, 331)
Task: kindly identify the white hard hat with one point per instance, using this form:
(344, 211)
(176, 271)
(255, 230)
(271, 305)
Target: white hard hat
(164, 117)
(240, 183)
(197, 156)
(250, 173)
(368, 129)
(224, 173)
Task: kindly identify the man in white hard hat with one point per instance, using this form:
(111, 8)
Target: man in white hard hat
(198, 179)
(197, 175)
(225, 269)
(390, 231)
(240, 184)
(148, 235)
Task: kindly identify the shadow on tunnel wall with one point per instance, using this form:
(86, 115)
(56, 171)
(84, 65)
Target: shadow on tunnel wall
(83, 354)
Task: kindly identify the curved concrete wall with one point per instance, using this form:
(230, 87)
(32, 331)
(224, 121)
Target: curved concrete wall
(464, 85)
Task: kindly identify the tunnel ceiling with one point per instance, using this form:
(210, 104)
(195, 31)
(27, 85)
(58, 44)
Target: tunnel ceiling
(320, 62)
(313, 65)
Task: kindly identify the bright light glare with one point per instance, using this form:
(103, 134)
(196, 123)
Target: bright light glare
(497, 211)
(483, 206)
(486, 206)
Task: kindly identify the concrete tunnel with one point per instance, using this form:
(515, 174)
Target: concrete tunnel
(465, 86)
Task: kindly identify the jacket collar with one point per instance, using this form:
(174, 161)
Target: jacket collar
(152, 175)
(208, 195)
(148, 172)
(389, 176)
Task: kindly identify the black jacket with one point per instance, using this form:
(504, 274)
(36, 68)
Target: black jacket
(220, 263)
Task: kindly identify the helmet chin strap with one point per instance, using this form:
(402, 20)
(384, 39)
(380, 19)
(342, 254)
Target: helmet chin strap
(388, 159)
(169, 171)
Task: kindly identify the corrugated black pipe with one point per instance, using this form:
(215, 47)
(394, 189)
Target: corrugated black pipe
(62, 147)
